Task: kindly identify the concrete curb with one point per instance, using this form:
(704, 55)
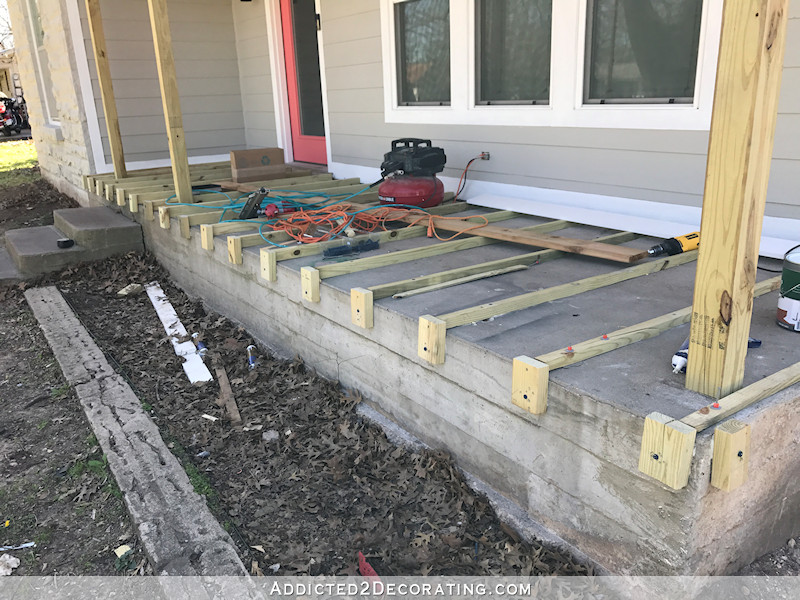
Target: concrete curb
(179, 533)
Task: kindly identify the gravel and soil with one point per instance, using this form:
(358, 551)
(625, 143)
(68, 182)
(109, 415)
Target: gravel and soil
(303, 484)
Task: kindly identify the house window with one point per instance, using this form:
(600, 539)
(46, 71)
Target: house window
(423, 51)
(631, 64)
(513, 51)
(642, 51)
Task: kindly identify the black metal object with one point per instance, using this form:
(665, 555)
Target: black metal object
(250, 209)
(413, 156)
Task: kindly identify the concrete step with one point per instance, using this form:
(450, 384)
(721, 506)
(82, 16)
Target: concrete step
(34, 250)
(98, 227)
(9, 274)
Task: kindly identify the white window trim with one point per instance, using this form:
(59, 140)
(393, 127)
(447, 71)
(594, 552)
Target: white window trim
(45, 94)
(566, 108)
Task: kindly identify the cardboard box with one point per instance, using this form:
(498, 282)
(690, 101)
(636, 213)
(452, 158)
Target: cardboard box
(258, 157)
(267, 173)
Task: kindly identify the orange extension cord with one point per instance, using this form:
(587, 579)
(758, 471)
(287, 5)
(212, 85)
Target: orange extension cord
(304, 225)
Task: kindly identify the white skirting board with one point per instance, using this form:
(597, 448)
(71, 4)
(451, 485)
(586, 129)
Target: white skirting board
(193, 364)
(662, 220)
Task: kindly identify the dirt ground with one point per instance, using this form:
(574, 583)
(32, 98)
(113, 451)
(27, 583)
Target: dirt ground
(302, 485)
(56, 490)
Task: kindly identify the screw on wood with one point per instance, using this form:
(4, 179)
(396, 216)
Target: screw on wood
(654, 456)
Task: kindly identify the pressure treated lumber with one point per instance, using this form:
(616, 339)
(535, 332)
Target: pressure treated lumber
(507, 305)
(739, 155)
(632, 334)
(168, 81)
(395, 287)
(460, 281)
(167, 211)
(666, 450)
(529, 385)
(731, 459)
(153, 200)
(95, 20)
(394, 258)
(403, 256)
(431, 339)
(270, 257)
(123, 194)
(248, 188)
(571, 245)
(741, 399)
(155, 171)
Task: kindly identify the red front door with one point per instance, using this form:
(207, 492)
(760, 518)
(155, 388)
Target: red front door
(301, 52)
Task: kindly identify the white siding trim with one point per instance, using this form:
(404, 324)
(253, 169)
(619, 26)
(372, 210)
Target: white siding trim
(85, 82)
(280, 93)
(657, 219)
(324, 85)
(566, 107)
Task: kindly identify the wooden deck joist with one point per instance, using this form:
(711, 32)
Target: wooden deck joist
(270, 257)
(152, 200)
(515, 303)
(572, 245)
(575, 353)
(403, 256)
(362, 299)
(731, 439)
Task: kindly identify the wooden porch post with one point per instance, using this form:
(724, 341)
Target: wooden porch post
(106, 87)
(739, 154)
(162, 40)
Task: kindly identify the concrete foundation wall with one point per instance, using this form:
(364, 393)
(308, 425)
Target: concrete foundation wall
(60, 133)
(574, 470)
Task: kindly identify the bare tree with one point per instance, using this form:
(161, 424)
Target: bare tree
(6, 36)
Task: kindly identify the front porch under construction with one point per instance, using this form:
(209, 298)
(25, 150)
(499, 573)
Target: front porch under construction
(545, 374)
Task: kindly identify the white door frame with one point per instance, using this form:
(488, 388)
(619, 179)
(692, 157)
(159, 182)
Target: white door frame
(280, 91)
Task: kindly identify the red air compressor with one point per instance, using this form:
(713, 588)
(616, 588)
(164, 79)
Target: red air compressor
(409, 173)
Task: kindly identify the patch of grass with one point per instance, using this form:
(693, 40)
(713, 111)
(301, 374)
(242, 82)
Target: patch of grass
(200, 482)
(112, 489)
(17, 162)
(147, 407)
(42, 425)
(91, 440)
(60, 392)
(93, 466)
(43, 537)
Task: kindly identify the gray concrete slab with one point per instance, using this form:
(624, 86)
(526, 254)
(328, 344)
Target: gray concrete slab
(98, 227)
(34, 250)
(8, 270)
(637, 378)
(178, 531)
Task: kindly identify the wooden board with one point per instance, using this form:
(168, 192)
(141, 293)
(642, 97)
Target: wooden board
(95, 20)
(739, 157)
(507, 305)
(267, 173)
(666, 450)
(730, 462)
(170, 98)
(710, 415)
(390, 289)
(571, 245)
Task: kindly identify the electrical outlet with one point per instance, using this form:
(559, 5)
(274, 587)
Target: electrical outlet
(485, 155)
